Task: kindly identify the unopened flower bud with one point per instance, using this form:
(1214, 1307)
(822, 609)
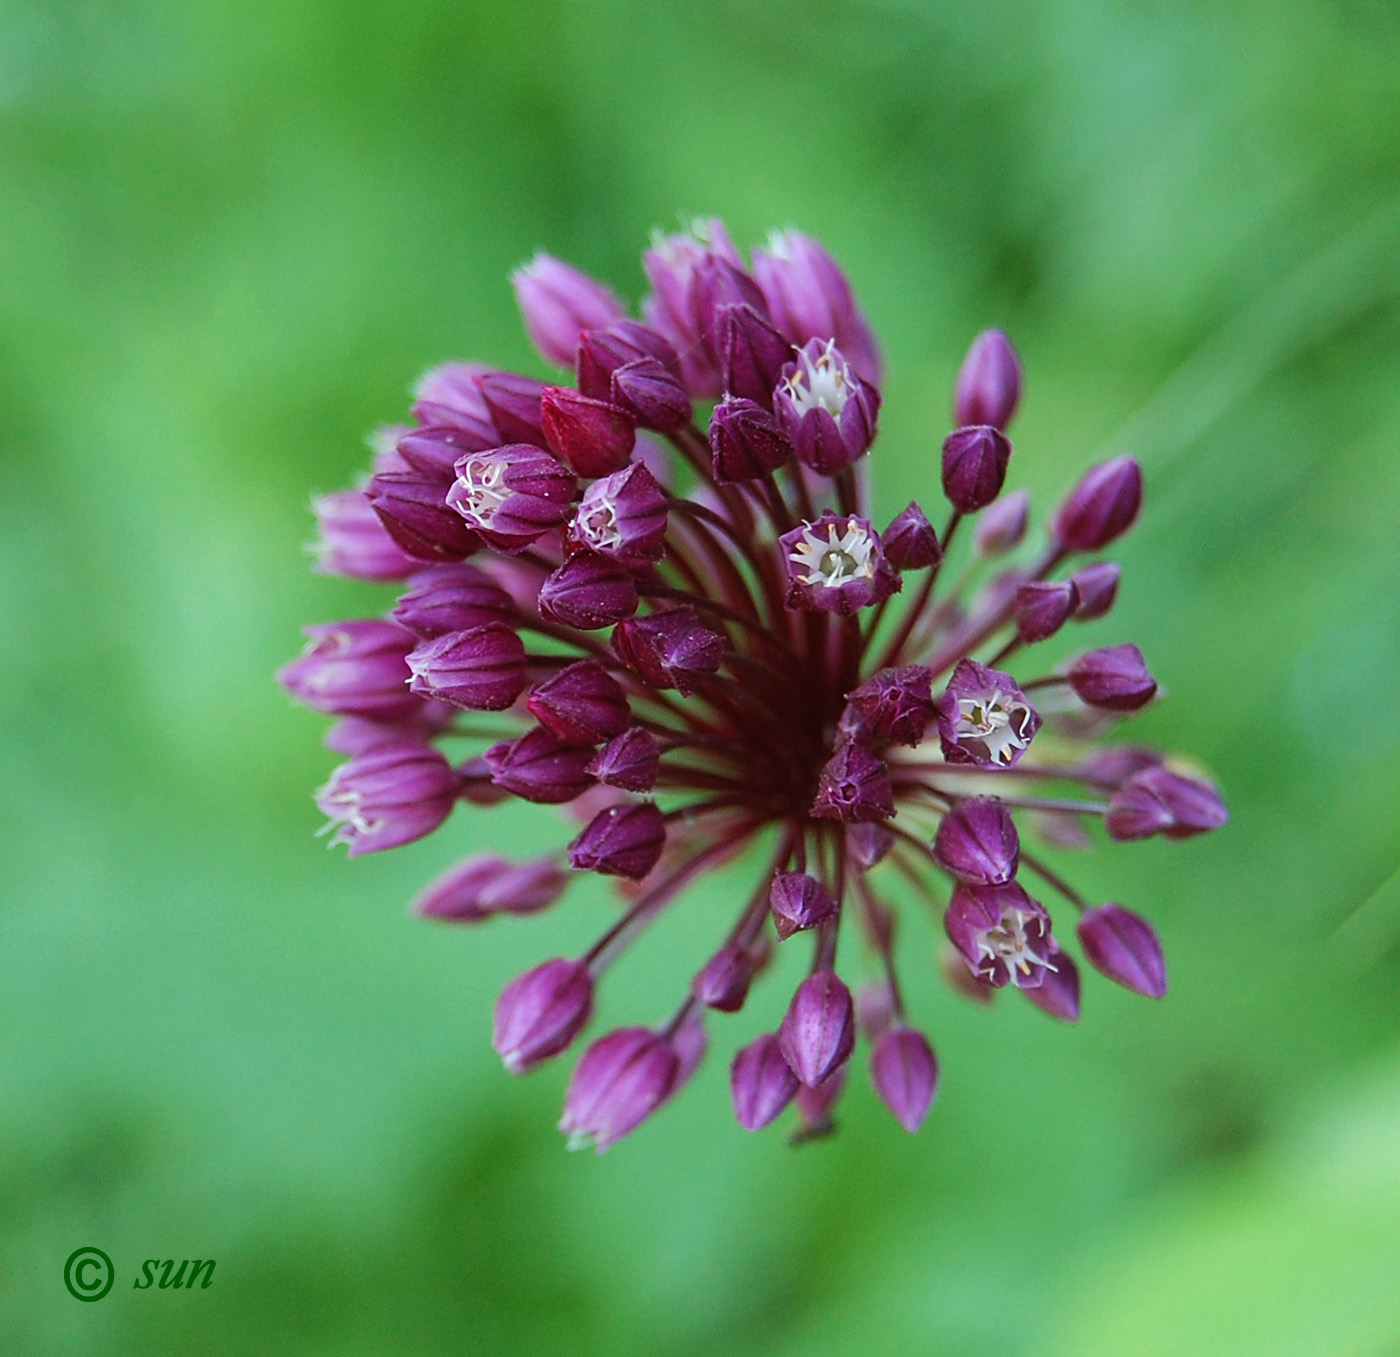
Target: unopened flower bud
(1003, 524)
(818, 1030)
(581, 704)
(814, 1105)
(621, 1080)
(588, 592)
(482, 885)
(1114, 764)
(413, 509)
(868, 842)
(541, 1012)
(557, 302)
(746, 441)
(975, 458)
(827, 413)
(894, 704)
(854, 785)
(516, 406)
(630, 761)
(977, 842)
(798, 902)
(623, 840)
(1041, 608)
(457, 597)
(481, 669)
(1097, 588)
(761, 1083)
(904, 1072)
(351, 540)
(752, 354)
(354, 669)
(1124, 947)
(594, 437)
(387, 797)
(984, 718)
(836, 564)
(910, 541)
(1102, 507)
(1159, 801)
(434, 452)
(989, 382)
(449, 396)
(875, 1008)
(623, 517)
(1114, 677)
(670, 648)
(540, 767)
(1058, 992)
(1003, 935)
(723, 981)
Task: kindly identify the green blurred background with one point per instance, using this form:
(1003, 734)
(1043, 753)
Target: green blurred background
(230, 237)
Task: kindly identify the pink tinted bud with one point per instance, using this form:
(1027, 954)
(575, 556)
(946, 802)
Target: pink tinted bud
(723, 982)
(482, 669)
(387, 797)
(818, 1030)
(875, 1008)
(746, 442)
(354, 669)
(540, 767)
(910, 541)
(904, 1072)
(1042, 607)
(798, 902)
(557, 302)
(541, 1012)
(977, 842)
(814, 1107)
(868, 842)
(351, 540)
(1124, 947)
(581, 704)
(648, 391)
(623, 840)
(1114, 764)
(594, 437)
(515, 405)
(827, 413)
(752, 354)
(974, 466)
(434, 452)
(357, 735)
(671, 648)
(854, 786)
(984, 718)
(602, 352)
(1003, 935)
(895, 704)
(1058, 993)
(588, 592)
(1097, 587)
(630, 761)
(1003, 524)
(1102, 507)
(446, 598)
(689, 1043)
(989, 382)
(620, 1081)
(1115, 677)
(448, 396)
(483, 884)
(413, 509)
(1158, 801)
(836, 564)
(716, 289)
(623, 517)
(761, 1083)
(513, 495)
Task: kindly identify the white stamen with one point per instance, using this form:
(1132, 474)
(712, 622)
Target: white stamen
(480, 490)
(825, 383)
(834, 561)
(597, 523)
(996, 722)
(1008, 943)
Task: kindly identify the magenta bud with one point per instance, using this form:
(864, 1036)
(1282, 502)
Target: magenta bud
(648, 391)
(414, 511)
(630, 761)
(818, 1030)
(836, 564)
(689, 1043)
(1003, 524)
(1042, 607)
(868, 842)
(814, 1107)
(984, 718)
(540, 1013)
(977, 842)
(798, 902)
(910, 541)
(602, 352)
(1123, 946)
(435, 451)
(540, 767)
(482, 669)
(761, 1083)
(1115, 677)
(515, 405)
(1102, 507)
(512, 496)
(894, 704)
(1003, 935)
(717, 286)
(390, 796)
(809, 297)
(620, 1081)
(588, 592)
(854, 786)
(623, 517)
(446, 598)
(594, 437)
(974, 466)
(448, 396)
(671, 266)
(752, 354)
(623, 840)
(904, 1072)
(876, 1008)
(1058, 993)
(827, 413)
(671, 648)
(1158, 801)
(354, 669)
(352, 541)
(356, 735)
(1114, 764)
(483, 884)
(989, 382)
(746, 442)
(581, 704)
(1097, 588)
(723, 981)
(558, 302)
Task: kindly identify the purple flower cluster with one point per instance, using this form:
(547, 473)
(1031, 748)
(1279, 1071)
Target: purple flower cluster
(695, 636)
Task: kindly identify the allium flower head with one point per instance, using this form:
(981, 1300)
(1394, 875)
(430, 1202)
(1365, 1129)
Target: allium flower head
(696, 642)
